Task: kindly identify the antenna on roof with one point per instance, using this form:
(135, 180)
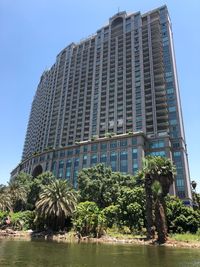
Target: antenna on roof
(118, 10)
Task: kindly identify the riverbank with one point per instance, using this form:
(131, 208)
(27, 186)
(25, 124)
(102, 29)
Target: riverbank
(72, 237)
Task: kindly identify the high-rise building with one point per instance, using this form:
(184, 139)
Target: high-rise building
(112, 98)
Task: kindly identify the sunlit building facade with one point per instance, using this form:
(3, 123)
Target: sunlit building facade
(112, 98)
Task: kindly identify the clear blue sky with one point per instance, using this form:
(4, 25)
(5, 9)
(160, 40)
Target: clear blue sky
(32, 32)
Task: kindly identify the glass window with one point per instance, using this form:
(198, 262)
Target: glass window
(113, 161)
(55, 154)
(173, 122)
(103, 158)
(85, 149)
(135, 167)
(76, 166)
(54, 167)
(62, 154)
(134, 141)
(123, 161)
(77, 151)
(94, 147)
(84, 161)
(134, 153)
(177, 154)
(158, 153)
(172, 109)
(93, 159)
(69, 152)
(103, 146)
(113, 144)
(123, 143)
(60, 169)
(68, 168)
(157, 144)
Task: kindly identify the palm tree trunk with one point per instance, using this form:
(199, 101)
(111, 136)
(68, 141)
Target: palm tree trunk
(149, 205)
(160, 220)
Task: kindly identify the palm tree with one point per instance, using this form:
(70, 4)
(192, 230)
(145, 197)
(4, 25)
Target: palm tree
(18, 195)
(5, 200)
(160, 218)
(162, 170)
(56, 203)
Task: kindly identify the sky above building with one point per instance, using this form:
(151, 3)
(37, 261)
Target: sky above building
(32, 34)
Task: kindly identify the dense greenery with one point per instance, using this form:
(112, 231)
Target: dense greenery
(104, 200)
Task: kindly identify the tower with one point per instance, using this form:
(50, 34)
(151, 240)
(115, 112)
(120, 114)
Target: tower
(112, 98)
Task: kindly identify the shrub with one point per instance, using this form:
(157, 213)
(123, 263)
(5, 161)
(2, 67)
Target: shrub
(22, 220)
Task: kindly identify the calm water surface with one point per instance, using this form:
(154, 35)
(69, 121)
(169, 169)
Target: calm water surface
(43, 253)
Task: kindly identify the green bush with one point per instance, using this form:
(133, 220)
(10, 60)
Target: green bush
(88, 219)
(3, 216)
(22, 220)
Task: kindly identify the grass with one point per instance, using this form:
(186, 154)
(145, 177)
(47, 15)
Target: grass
(123, 234)
(186, 237)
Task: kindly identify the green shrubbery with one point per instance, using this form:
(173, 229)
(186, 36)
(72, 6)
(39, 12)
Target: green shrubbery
(105, 200)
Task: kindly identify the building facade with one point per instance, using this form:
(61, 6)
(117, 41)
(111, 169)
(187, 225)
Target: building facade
(112, 98)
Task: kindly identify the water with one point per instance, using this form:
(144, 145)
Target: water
(43, 253)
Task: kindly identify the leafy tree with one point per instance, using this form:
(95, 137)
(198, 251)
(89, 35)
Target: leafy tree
(36, 187)
(22, 220)
(181, 218)
(56, 203)
(101, 185)
(162, 170)
(88, 219)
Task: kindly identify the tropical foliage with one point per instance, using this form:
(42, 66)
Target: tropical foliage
(105, 201)
(56, 203)
(88, 219)
(159, 176)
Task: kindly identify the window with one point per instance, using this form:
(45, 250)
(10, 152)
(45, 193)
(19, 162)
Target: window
(157, 144)
(68, 169)
(85, 148)
(134, 141)
(134, 153)
(113, 144)
(103, 146)
(123, 143)
(93, 159)
(77, 151)
(177, 154)
(135, 167)
(76, 166)
(94, 147)
(60, 169)
(113, 161)
(69, 152)
(54, 167)
(84, 161)
(158, 153)
(123, 161)
(103, 158)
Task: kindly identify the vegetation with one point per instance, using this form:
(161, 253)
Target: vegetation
(56, 203)
(159, 175)
(106, 201)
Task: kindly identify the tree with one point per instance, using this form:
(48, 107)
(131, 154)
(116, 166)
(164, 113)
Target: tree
(36, 186)
(162, 170)
(88, 219)
(18, 195)
(160, 217)
(5, 200)
(101, 185)
(56, 203)
(181, 218)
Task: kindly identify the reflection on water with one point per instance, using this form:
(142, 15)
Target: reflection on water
(43, 253)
